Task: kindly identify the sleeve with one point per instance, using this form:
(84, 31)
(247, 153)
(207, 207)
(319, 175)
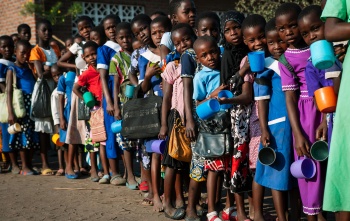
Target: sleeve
(36, 54)
(169, 73)
(102, 58)
(262, 85)
(82, 79)
(188, 66)
(61, 86)
(312, 78)
(74, 48)
(249, 76)
(166, 41)
(289, 83)
(134, 69)
(335, 9)
(334, 71)
(54, 107)
(199, 89)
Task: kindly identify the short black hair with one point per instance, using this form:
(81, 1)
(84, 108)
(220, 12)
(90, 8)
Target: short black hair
(123, 26)
(164, 21)
(287, 8)
(309, 10)
(185, 26)
(101, 31)
(22, 26)
(43, 21)
(254, 20)
(210, 15)
(158, 13)
(141, 17)
(86, 18)
(90, 44)
(270, 25)
(114, 17)
(174, 5)
(204, 39)
(7, 38)
(23, 43)
(14, 35)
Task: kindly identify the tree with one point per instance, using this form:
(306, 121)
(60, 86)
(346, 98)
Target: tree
(267, 8)
(54, 14)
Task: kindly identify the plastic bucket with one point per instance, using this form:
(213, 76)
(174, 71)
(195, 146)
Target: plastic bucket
(208, 108)
(322, 54)
(14, 128)
(70, 77)
(303, 168)
(267, 156)
(326, 99)
(319, 150)
(129, 91)
(56, 140)
(89, 99)
(256, 61)
(158, 146)
(225, 94)
(116, 126)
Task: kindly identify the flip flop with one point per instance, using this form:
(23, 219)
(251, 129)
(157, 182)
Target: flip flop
(118, 180)
(15, 170)
(71, 176)
(143, 186)
(94, 179)
(147, 202)
(60, 172)
(47, 172)
(26, 173)
(132, 186)
(179, 214)
(104, 180)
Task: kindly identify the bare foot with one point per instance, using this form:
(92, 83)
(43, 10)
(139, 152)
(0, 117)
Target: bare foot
(179, 203)
(157, 205)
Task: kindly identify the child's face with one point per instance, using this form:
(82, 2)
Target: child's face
(136, 45)
(311, 28)
(78, 39)
(45, 32)
(157, 31)
(6, 49)
(95, 36)
(22, 54)
(24, 34)
(275, 44)
(68, 43)
(182, 40)
(186, 13)
(110, 27)
(208, 54)
(141, 31)
(15, 39)
(55, 73)
(124, 39)
(254, 38)
(90, 56)
(233, 33)
(208, 27)
(287, 27)
(84, 28)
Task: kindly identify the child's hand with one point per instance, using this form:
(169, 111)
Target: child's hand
(302, 146)
(265, 138)
(12, 119)
(190, 129)
(151, 71)
(321, 131)
(217, 90)
(163, 132)
(63, 124)
(110, 109)
(117, 113)
(340, 52)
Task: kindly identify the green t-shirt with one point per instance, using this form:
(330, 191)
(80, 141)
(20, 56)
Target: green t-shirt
(121, 60)
(336, 9)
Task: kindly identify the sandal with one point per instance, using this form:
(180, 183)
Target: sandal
(47, 172)
(60, 172)
(104, 180)
(229, 216)
(94, 179)
(84, 172)
(179, 214)
(143, 186)
(147, 202)
(15, 170)
(118, 180)
(132, 186)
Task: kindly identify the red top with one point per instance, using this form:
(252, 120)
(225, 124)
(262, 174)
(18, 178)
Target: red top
(91, 80)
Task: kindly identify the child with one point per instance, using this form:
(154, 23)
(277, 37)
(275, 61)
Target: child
(336, 14)
(27, 139)
(234, 73)
(304, 118)
(39, 55)
(156, 14)
(98, 35)
(173, 110)
(24, 32)
(6, 50)
(14, 38)
(68, 43)
(136, 44)
(272, 108)
(208, 24)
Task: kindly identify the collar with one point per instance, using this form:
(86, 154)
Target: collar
(206, 69)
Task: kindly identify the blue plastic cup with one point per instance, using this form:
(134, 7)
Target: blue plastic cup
(322, 54)
(208, 109)
(129, 91)
(70, 77)
(225, 94)
(116, 126)
(256, 61)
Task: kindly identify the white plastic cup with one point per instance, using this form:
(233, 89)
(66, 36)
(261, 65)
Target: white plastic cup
(80, 63)
(14, 128)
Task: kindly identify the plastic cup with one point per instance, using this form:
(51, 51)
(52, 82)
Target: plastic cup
(303, 168)
(326, 99)
(14, 128)
(225, 94)
(80, 63)
(267, 156)
(322, 54)
(129, 91)
(256, 61)
(70, 77)
(208, 108)
(158, 146)
(116, 126)
(56, 140)
(319, 150)
(89, 99)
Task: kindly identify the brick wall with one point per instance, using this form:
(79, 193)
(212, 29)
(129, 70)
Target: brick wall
(11, 18)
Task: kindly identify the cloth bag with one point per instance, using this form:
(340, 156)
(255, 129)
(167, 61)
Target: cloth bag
(98, 130)
(41, 100)
(141, 116)
(83, 110)
(17, 102)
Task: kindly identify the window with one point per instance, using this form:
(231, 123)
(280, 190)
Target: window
(97, 11)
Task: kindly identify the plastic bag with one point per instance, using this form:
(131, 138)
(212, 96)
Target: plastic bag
(41, 100)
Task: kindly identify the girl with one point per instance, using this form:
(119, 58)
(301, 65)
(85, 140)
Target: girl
(272, 108)
(24, 32)
(337, 26)
(208, 24)
(98, 35)
(234, 73)
(304, 118)
(27, 139)
(40, 54)
(173, 108)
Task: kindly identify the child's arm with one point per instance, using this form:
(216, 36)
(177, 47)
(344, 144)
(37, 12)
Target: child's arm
(61, 101)
(116, 91)
(9, 90)
(2, 87)
(189, 123)
(150, 72)
(76, 90)
(213, 94)
(263, 110)
(62, 62)
(245, 98)
(41, 70)
(337, 30)
(321, 131)
(166, 105)
(164, 51)
(106, 94)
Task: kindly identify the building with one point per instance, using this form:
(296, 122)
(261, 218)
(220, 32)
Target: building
(96, 9)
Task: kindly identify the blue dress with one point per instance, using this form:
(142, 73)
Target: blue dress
(267, 86)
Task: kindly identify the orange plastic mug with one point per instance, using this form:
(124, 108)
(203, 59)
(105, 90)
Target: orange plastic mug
(56, 140)
(326, 99)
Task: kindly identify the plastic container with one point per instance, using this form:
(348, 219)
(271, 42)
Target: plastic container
(158, 146)
(14, 128)
(129, 91)
(226, 94)
(256, 61)
(326, 99)
(322, 54)
(89, 99)
(267, 156)
(319, 150)
(303, 168)
(116, 126)
(80, 63)
(70, 77)
(56, 140)
(208, 108)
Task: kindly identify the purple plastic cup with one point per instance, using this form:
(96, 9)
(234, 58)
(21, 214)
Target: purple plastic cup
(158, 146)
(303, 168)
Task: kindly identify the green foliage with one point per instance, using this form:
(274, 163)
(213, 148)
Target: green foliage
(267, 8)
(54, 14)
